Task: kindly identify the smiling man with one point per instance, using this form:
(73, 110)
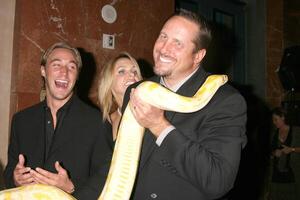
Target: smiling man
(60, 141)
(196, 155)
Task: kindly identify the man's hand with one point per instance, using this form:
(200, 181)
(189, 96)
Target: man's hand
(60, 180)
(148, 116)
(21, 173)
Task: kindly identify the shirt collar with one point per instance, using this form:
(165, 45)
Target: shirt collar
(65, 107)
(179, 84)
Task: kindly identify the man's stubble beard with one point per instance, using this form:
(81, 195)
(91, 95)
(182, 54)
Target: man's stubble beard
(162, 73)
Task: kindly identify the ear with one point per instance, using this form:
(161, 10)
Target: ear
(199, 55)
(43, 71)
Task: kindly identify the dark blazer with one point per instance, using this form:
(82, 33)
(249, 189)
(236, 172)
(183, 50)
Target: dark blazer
(198, 160)
(80, 146)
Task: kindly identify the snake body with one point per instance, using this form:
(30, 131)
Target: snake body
(126, 154)
(35, 192)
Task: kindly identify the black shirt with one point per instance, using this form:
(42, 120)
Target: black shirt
(50, 130)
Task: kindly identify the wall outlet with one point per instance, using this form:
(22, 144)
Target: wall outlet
(108, 41)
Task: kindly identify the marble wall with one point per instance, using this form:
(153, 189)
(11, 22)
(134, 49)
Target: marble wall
(40, 23)
(37, 24)
(291, 19)
(281, 21)
(274, 51)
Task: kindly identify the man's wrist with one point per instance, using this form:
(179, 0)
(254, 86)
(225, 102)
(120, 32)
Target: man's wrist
(164, 134)
(157, 130)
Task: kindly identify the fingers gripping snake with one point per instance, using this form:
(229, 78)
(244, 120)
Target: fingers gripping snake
(122, 172)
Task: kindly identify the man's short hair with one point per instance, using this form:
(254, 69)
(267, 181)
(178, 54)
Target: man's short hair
(61, 45)
(203, 38)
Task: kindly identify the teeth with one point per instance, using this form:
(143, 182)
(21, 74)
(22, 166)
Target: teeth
(165, 59)
(129, 83)
(62, 81)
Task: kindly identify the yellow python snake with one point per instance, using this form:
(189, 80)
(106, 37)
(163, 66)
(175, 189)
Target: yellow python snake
(126, 154)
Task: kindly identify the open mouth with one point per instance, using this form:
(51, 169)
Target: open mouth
(129, 83)
(61, 83)
(165, 59)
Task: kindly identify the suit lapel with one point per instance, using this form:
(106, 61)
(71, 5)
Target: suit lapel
(189, 88)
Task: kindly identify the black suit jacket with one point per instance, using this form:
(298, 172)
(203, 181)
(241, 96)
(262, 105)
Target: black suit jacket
(198, 160)
(80, 146)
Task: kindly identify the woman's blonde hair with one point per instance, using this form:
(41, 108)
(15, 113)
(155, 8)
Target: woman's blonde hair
(105, 97)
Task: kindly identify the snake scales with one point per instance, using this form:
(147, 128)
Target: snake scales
(125, 159)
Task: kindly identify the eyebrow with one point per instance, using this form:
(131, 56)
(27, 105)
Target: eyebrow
(58, 59)
(122, 66)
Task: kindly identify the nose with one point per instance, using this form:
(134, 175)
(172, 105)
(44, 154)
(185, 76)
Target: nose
(64, 69)
(131, 74)
(165, 47)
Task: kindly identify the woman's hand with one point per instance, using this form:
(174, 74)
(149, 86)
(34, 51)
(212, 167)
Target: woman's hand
(287, 149)
(277, 153)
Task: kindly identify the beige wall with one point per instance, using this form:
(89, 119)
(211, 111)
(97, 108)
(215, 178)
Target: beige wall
(7, 14)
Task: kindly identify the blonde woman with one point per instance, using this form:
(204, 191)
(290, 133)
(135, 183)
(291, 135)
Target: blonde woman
(116, 76)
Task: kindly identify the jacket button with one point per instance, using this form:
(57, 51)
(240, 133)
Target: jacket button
(153, 196)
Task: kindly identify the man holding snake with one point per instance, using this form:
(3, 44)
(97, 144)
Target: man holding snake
(196, 155)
